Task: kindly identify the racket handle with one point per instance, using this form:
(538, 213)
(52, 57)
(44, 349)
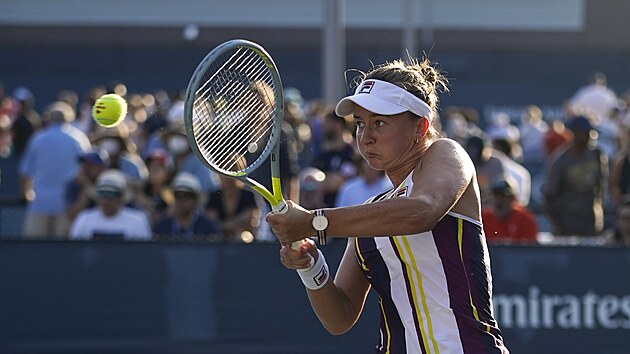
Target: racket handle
(280, 208)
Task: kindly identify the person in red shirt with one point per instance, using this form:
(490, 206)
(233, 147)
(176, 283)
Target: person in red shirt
(505, 220)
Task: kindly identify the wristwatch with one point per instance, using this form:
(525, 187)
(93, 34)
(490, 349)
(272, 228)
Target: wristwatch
(320, 223)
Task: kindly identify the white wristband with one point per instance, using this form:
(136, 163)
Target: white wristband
(317, 275)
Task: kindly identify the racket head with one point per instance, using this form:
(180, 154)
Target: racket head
(233, 109)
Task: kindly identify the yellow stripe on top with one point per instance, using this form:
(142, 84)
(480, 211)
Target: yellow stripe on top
(389, 336)
(460, 233)
(412, 267)
(356, 245)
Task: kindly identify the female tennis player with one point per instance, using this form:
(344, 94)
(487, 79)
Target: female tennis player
(420, 245)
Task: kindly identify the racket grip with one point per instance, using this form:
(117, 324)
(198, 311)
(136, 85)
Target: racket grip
(280, 208)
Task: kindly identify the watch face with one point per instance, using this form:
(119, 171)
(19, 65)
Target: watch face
(320, 223)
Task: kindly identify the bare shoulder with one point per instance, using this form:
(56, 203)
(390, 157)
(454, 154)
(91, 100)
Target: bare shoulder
(448, 155)
(445, 147)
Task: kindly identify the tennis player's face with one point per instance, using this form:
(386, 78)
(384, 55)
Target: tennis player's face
(385, 142)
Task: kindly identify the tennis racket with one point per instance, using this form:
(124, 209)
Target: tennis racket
(233, 115)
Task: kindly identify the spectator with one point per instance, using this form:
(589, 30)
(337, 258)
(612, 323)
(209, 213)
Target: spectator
(574, 186)
(505, 220)
(234, 208)
(505, 136)
(79, 191)
(460, 123)
(532, 130)
(619, 184)
(503, 149)
(111, 219)
(157, 117)
(487, 166)
(311, 182)
(556, 136)
(336, 156)
(594, 99)
(6, 138)
(315, 116)
(174, 140)
(357, 190)
(27, 121)
(295, 124)
(122, 154)
(156, 194)
(187, 220)
(50, 161)
(620, 234)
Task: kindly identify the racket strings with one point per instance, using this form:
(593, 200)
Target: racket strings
(231, 80)
(232, 115)
(232, 138)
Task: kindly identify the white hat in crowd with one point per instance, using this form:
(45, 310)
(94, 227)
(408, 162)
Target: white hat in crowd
(113, 180)
(188, 182)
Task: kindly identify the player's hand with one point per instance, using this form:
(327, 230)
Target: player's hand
(301, 258)
(293, 225)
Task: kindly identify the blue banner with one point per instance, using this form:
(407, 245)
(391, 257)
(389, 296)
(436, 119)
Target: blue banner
(100, 297)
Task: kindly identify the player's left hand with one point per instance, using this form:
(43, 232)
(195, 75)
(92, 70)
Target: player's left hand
(293, 225)
(301, 258)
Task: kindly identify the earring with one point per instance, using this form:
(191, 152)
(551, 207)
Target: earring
(416, 140)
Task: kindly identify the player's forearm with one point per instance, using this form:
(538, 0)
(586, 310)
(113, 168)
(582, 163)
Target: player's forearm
(399, 216)
(333, 308)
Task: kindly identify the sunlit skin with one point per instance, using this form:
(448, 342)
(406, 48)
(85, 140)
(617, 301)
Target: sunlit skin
(388, 144)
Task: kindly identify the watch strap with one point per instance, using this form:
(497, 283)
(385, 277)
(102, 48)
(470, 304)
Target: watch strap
(321, 234)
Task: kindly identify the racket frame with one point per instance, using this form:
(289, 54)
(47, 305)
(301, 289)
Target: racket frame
(271, 149)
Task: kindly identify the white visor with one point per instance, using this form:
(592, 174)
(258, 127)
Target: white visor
(384, 98)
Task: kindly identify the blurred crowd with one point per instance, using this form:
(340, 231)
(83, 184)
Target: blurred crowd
(540, 177)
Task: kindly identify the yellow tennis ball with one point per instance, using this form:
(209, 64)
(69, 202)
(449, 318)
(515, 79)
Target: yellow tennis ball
(109, 110)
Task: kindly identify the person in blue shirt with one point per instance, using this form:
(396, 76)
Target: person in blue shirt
(50, 161)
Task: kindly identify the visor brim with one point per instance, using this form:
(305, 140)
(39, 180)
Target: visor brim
(371, 103)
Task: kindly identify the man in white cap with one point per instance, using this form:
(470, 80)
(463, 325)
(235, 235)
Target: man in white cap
(111, 219)
(188, 221)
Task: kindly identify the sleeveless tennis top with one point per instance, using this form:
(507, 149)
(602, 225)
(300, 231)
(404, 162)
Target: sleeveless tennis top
(434, 288)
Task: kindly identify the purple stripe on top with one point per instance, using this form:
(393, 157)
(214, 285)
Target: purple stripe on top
(409, 296)
(466, 277)
(380, 279)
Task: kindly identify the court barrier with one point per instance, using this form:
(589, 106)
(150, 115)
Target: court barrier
(124, 297)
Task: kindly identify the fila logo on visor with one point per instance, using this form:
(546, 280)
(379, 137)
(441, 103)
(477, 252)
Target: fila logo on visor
(366, 87)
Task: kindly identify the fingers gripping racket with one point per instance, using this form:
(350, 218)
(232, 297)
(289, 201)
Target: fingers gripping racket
(233, 115)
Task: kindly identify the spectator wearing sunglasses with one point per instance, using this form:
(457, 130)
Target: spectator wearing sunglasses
(188, 221)
(111, 219)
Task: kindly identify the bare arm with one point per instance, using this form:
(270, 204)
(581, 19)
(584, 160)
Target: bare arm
(441, 179)
(339, 303)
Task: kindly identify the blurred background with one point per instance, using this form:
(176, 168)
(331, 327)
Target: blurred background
(61, 291)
